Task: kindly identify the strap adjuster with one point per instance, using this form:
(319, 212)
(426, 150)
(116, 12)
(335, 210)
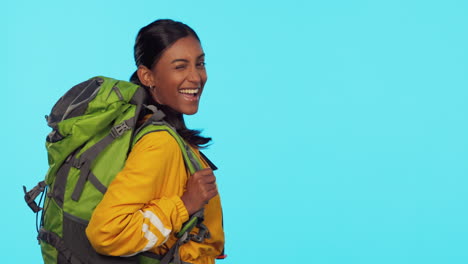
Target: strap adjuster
(78, 162)
(203, 233)
(30, 196)
(119, 129)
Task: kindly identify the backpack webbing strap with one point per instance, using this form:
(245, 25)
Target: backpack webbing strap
(84, 161)
(210, 163)
(84, 172)
(139, 97)
(195, 162)
(58, 243)
(97, 184)
(203, 231)
(86, 158)
(157, 116)
(191, 223)
(173, 255)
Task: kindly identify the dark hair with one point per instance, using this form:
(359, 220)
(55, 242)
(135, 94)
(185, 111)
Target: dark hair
(151, 42)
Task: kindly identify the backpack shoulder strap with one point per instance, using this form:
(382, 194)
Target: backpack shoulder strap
(191, 160)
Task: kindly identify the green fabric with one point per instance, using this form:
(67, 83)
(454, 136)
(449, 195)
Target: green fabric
(99, 117)
(105, 167)
(49, 253)
(102, 113)
(53, 216)
(147, 260)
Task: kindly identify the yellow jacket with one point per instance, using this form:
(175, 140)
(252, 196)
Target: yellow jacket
(142, 210)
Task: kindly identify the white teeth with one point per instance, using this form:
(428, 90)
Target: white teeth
(189, 91)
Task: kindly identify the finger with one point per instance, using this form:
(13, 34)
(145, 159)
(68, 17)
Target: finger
(208, 187)
(208, 196)
(205, 181)
(211, 179)
(204, 172)
(212, 193)
(211, 188)
(207, 170)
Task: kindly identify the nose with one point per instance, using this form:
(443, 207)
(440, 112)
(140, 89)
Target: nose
(194, 76)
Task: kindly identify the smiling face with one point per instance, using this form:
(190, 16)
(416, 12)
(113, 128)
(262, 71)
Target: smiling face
(178, 78)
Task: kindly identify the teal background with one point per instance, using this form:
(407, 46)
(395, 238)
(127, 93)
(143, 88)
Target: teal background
(339, 127)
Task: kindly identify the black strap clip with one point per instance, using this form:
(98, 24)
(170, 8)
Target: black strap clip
(203, 233)
(30, 196)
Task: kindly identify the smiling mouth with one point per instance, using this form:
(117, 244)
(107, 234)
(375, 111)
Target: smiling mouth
(190, 94)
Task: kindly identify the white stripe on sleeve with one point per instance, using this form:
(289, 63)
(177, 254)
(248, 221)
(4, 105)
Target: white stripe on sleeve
(152, 240)
(156, 222)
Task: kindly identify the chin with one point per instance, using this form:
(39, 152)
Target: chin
(187, 110)
(191, 112)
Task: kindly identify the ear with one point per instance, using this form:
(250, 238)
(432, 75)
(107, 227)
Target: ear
(145, 75)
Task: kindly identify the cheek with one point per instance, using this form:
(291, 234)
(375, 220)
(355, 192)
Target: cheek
(168, 84)
(204, 77)
(155, 94)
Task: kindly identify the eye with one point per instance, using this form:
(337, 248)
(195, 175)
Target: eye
(180, 66)
(201, 64)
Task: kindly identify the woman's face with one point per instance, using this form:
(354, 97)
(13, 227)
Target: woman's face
(178, 78)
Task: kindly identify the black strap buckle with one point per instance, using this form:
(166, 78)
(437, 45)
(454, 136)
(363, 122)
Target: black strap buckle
(30, 196)
(203, 233)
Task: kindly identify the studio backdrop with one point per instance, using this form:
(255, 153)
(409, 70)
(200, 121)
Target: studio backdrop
(339, 127)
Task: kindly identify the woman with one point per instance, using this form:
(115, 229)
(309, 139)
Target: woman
(154, 194)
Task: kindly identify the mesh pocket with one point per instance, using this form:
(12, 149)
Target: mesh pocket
(75, 238)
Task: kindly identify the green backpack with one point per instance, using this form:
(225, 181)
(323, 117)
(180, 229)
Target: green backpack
(94, 128)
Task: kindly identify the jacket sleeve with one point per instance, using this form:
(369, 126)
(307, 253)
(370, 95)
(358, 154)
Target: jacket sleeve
(129, 219)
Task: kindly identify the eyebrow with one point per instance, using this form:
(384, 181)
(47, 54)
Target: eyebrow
(185, 60)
